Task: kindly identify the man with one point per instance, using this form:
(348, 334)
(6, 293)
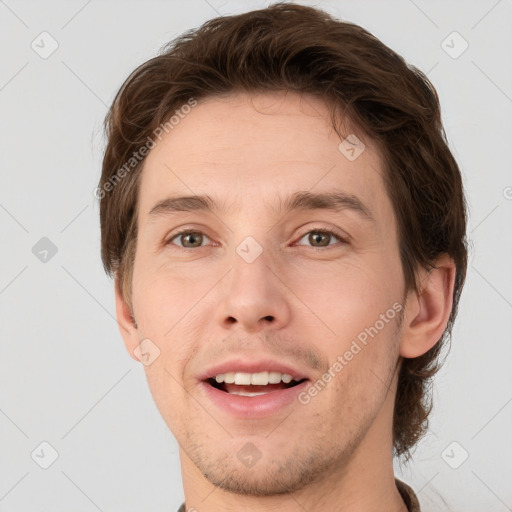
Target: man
(286, 228)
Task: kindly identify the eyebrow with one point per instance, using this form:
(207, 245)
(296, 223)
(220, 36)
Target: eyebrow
(298, 201)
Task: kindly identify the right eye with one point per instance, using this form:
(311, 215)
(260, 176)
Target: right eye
(188, 237)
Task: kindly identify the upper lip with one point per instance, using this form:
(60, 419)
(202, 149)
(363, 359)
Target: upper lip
(252, 366)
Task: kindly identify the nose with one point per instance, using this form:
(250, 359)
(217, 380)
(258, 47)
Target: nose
(254, 298)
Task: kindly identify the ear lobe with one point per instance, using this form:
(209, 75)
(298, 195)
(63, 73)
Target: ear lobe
(426, 314)
(125, 321)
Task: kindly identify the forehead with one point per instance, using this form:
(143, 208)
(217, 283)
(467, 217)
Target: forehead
(256, 150)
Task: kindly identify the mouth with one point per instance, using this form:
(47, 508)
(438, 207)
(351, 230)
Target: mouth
(252, 390)
(252, 396)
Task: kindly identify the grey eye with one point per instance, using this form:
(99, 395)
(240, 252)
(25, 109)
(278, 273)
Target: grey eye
(189, 239)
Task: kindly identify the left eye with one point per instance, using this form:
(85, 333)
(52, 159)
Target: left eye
(320, 236)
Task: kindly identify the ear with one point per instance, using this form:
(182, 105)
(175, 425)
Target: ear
(126, 322)
(426, 314)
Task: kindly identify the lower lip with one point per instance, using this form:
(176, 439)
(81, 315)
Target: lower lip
(253, 406)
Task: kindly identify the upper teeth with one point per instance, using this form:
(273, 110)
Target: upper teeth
(260, 379)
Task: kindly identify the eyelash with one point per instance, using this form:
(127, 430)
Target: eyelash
(323, 231)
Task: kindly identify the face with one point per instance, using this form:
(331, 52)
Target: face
(310, 292)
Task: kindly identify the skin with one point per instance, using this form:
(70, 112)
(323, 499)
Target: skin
(296, 303)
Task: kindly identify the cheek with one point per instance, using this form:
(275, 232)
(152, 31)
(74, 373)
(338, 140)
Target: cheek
(161, 295)
(163, 307)
(362, 359)
(348, 296)
(356, 333)
(166, 392)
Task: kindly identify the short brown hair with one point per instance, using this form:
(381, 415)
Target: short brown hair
(288, 47)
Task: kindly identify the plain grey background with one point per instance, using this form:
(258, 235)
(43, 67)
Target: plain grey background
(65, 377)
